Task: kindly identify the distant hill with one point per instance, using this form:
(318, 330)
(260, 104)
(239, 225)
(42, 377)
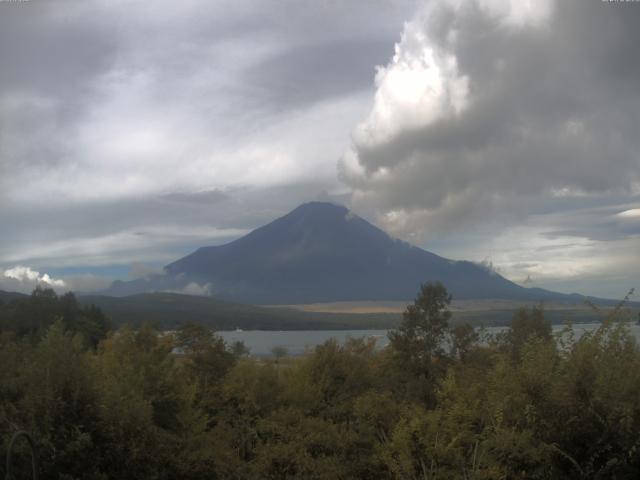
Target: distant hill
(321, 252)
(6, 297)
(170, 310)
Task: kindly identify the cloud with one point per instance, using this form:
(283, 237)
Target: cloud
(489, 107)
(306, 74)
(138, 131)
(145, 243)
(126, 123)
(508, 130)
(23, 279)
(23, 274)
(570, 250)
(205, 197)
(151, 230)
(633, 214)
(143, 270)
(194, 288)
(86, 282)
(128, 101)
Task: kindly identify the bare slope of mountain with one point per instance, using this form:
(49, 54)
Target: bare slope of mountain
(321, 252)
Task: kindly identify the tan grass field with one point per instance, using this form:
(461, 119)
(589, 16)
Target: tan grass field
(371, 306)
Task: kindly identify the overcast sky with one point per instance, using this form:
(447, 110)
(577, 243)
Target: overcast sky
(505, 132)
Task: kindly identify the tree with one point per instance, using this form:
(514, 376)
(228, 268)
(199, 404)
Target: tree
(463, 339)
(424, 326)
(417, 346)
(48, 389)
(279, 352)
(239, 349)
(206, 359)
(88, 320)
(525, 326)
(32, 316)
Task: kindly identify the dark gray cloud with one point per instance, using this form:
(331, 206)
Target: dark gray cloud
(547, 108)
(206, 197)
(93, 92)
(44, 50)
(498, 120)
(311, 73)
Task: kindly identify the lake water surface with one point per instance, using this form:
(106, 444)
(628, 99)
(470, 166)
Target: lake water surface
(297, 342)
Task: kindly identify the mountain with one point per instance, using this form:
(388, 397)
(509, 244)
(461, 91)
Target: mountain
(321, 252)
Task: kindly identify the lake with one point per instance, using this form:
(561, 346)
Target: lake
(297, 342)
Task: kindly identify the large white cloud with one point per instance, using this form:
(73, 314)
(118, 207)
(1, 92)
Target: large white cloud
(24, 279)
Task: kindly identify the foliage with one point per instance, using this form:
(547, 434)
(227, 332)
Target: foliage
(32, 316)
(417, 357)
(437, 403)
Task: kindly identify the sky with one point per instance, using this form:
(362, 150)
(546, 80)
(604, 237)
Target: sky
(499, 131)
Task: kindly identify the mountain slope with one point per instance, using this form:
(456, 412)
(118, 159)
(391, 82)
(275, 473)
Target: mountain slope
(322, 252)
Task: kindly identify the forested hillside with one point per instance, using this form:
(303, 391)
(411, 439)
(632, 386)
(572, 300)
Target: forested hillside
(137, 404)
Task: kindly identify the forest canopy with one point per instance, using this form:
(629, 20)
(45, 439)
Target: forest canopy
(441, 401)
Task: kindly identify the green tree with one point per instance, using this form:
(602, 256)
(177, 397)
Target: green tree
(49, 389)
(417, 347)
(205, 361)
(463, 338)
(31, 317)
(526, 325)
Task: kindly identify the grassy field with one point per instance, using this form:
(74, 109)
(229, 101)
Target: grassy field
(476, 312)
